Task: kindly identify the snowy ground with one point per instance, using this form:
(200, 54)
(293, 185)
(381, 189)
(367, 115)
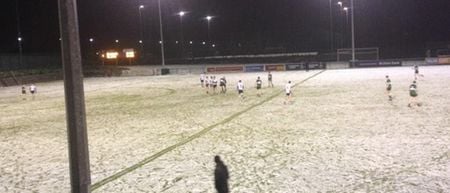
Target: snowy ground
(340, 134)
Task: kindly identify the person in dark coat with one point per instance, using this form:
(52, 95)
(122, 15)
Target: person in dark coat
(221, 176)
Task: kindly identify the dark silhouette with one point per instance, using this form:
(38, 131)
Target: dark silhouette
(221, 176)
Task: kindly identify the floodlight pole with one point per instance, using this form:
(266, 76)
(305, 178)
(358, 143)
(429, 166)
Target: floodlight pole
(353, 30)
(141, 30)
(161, 33)
(331, 27)
(80, 178)
(19, 33)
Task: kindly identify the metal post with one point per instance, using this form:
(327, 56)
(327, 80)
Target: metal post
(161, 33)
(331, 27)
(182, 36)
(141, 31)
(74, 97)
(209, 36)
(19, 33)
(353, 31)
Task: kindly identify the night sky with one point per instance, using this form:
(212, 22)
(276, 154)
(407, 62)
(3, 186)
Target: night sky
(302, 25)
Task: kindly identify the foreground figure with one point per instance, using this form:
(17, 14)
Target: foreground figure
(221, 176)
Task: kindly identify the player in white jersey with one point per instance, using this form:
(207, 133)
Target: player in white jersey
(214, 84)
(288, 90)
(33, 90)
(202, 79)
(240, 89)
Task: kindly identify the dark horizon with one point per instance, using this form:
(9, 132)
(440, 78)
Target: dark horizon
(294, 25)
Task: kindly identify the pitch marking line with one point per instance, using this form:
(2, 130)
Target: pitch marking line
(189, 139)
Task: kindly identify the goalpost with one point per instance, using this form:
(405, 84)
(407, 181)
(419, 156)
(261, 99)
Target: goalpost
(345, 54)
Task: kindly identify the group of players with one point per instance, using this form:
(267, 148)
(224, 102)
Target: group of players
(210, 83)
(412, 88)
(32, 88)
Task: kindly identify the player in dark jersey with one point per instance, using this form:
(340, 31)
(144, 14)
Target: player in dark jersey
(413, 95)
(416, 72)
(223, 85)
(269, 78)
(24, 92)
(207, 82)
(258, 86)
(389, 88)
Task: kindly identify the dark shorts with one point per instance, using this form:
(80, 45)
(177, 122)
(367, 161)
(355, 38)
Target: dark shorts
(389, 88)
(258, 87)
(222, 84)
(202, 81)
(240, 91)
(417, 71)
(288, 94)
(32, 92)
(24, 92)
(214, 86)
(413, 93)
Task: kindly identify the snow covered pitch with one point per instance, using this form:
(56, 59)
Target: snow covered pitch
(160, 134)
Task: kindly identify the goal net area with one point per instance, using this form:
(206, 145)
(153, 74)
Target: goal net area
(345, 54)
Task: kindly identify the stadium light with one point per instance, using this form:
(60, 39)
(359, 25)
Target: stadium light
(117, 41)
(141, 7)
(191, 42)
(91, 40)
(19, 39)
(340, 3)
(208, 19)
(181, 13)
(140, 41)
